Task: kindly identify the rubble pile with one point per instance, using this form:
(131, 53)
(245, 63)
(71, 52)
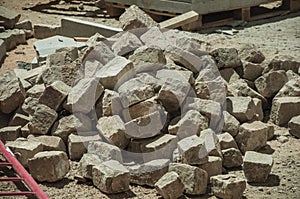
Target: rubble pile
(150, 107)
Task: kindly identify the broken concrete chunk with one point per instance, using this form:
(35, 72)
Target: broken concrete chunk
(77, 144)
(231, 124)
(134, 18)
(252, 136)
(50, 143)
(193, 178)
(170, 186)
(42, 120)
(12, 92)
(279, 114)
(111, 177)
(113, 129)
(294, 126)
(84, 94)
(10, 133)
(24, 150)
(228, 186)
(36, 91)
(9, 17)
(232, 157)
(270, 83)
(56, 164)
(126, 43)
(257, 166)
(19, 120)
(105, 151)
(42, 31)
(115, 73)
(54, 94)
(87, 162)
(226, 58)
(242, 108)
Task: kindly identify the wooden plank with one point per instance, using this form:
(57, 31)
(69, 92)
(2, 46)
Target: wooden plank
(196, 25)
(180, 20)
(212, 6)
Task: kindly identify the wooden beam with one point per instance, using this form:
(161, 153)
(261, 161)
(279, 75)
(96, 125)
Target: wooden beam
(180, 20)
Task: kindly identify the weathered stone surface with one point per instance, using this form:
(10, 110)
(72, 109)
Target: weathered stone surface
(213, 167)
(36, 91)
(192, 150)
(228, 186)
(101, 52)
(192, 123)
(231, 124)
(294, 126)
(126, 43)
(54, 94)
(71, 124)
(170, 186)
(50, 143)
(173, 93)
(77, 144)
(258, 113)
(226, 58)
(9, 17)
(232, 157)
(42, 31)
(12, 38)
(138, 89)
(270, 83)
(110, 103)
(211, 142)
(279, 114)
(55, 163)
(145, 126)
(62, 56)
(87, 162)
(111, 177)
(284, 62)
(134, 18)
(290, 89)
(227, 141)
(19, 120)
(25, 24)
(42, 120)
(193, 178)
(30, 105)
(145, 59)
(84, 94)
(250, 71)
(24, 149)
(257, 166)
(242, 108)
(10, 133)
(148, 173)
(105, 151)
(113, 129)
(252, 136)
(115, 72)
(2, 50)
(180, 75)
(12, 93)
(251, 54)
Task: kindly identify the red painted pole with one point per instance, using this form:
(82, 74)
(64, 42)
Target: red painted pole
(23, 173)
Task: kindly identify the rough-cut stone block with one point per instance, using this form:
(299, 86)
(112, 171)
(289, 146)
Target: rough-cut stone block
(113, 129)
(10, 133)
(111, 177)
(115, 72)
(213, 167)
(250, 71)
(170, 186)
(2, 50)
(19, 120)
(111, 104)
(148, 173)
(12, 38)
(232, 157)
(284, 62)
(242, 108)
(294, 126)
(279, 114)
(54, 94)
(42, 120)
(231, 124)
(26, 25)
(50, 143)
(84, 94)
(259, 113)
(86, 164)
(134, 18)
(226, 58)
(192, 123)
(105, 151)
(192, 150)
(77, 144)
(252, 136)
(250, 53)
(35, 91)
(77, 123)
(12, 93)
(42, 31)
(290, 89)
(24, 149)
(228, 186)
(193, 178)
(227, 141)
(257, 166)
(30, 105)
(126, 43)
(49, 166)
(9, 17)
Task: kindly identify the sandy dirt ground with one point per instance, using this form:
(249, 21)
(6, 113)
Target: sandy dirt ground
(280, 35)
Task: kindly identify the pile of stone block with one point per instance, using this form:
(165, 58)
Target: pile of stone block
(150, 108)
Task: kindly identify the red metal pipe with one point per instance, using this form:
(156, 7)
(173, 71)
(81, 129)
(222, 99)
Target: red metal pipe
(23, 173)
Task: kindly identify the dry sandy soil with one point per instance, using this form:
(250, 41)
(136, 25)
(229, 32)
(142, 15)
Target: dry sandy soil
(280, 35)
